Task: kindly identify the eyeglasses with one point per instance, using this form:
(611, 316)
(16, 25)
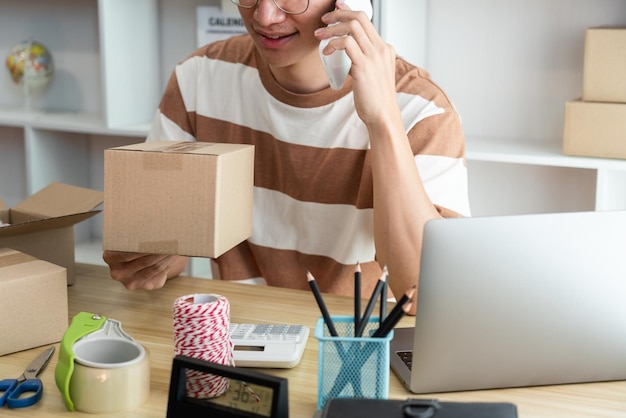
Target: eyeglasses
(291, 7)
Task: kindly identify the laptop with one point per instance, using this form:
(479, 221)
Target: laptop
(512, 301)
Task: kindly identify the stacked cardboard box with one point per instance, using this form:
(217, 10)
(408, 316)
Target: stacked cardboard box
(33, 301)
(43, 224)
(595, 126)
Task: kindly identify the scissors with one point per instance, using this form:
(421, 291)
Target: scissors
(13, 389)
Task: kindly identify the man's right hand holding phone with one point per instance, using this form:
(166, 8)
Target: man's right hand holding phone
(337, 64)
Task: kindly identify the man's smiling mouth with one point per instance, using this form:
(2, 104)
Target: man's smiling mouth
(274, 40)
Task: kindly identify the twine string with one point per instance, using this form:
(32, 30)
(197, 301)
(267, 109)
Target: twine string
(201, 331)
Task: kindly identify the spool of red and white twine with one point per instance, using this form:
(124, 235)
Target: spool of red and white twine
(201, 325)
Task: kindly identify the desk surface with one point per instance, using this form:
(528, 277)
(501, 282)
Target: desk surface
(147, 317)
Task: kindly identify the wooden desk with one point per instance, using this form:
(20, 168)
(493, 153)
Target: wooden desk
(147, 317)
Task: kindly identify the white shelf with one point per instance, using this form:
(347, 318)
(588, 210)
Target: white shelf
(68, 122)
(546, 153)
(609, 188)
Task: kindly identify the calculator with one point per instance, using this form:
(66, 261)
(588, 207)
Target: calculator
(268, 345)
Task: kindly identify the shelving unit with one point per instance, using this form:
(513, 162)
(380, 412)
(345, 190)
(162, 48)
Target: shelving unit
(104, 93)
(508, 66)
(608, 191)
(105, 54)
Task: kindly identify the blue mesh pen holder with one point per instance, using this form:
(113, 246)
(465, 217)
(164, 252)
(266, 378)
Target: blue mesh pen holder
(350, 367)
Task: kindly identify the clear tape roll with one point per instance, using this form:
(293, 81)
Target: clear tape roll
(201, 331)
(111, 371)
(105, 390)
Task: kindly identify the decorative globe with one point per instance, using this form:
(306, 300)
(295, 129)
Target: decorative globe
(30, 64)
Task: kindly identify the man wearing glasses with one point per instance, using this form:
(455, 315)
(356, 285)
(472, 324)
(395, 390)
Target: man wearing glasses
(341, 176)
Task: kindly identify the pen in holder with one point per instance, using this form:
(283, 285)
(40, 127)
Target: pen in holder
(350, 367)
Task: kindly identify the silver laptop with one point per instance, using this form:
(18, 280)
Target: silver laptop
(512, 301)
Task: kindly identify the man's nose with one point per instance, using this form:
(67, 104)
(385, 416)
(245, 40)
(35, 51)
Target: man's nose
(267, 12)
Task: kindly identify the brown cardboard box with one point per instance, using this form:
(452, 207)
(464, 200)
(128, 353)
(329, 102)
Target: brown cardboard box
(604, 68)
(186, 198)
(33, 302)
(593, 129)
(43, 224)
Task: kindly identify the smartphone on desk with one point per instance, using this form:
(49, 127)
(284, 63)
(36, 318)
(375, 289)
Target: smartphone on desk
(337, 65)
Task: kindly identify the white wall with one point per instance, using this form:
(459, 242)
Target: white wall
(509, 66)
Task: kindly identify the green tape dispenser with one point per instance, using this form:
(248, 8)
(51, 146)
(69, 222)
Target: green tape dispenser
(84, 323)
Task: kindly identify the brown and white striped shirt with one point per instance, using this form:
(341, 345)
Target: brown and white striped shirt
(313, 179)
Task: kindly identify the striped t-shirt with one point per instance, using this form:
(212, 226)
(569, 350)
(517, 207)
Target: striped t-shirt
(312, 178)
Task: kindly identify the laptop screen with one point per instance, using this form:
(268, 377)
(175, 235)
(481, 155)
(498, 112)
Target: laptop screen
(519, 300)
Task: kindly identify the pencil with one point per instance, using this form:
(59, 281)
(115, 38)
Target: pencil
(383, 302)
(357, 297)
(392, 320)
(396, 313)
(370, 304)
(408, 295)
(321, 304)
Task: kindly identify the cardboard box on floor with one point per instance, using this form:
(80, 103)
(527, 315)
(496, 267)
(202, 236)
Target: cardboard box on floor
(33, 302)
(43, 224)
(604, 67)
(185, 198)
(593, 129)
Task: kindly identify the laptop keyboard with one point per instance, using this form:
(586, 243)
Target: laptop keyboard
(407, 357)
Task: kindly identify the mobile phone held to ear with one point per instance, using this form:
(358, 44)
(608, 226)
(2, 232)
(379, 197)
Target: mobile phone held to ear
(337, 64)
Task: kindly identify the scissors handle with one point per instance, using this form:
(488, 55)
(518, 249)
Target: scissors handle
(14, 391)
(6, 387)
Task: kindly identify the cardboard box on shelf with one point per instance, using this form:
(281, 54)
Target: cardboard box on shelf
(593, 129)
(43, 224)
(185, 198)
(604, 68)
(33, 302)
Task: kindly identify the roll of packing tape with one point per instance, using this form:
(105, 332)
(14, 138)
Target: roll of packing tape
(111, 383)
(201, 331)
(109, 371)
